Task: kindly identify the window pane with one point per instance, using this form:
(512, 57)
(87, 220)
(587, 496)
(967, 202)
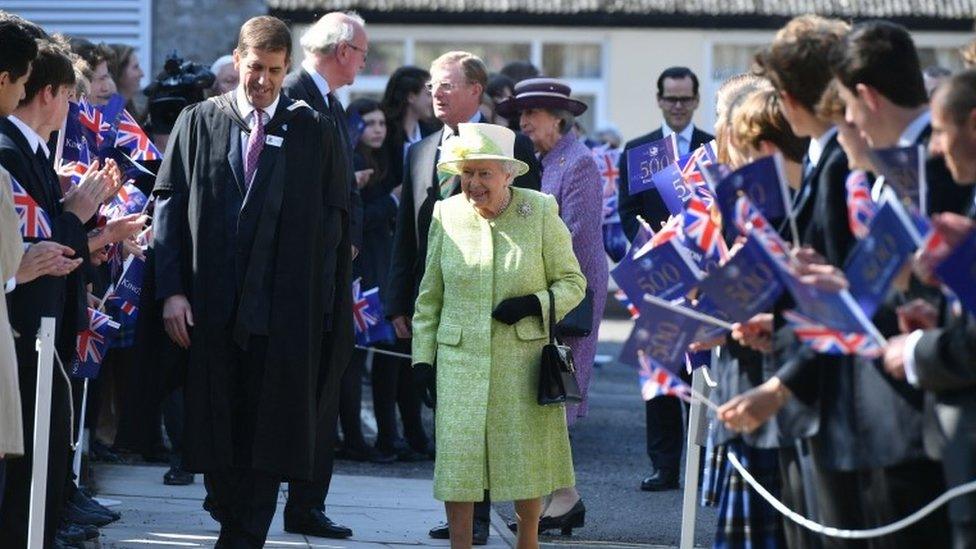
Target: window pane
(571, 60)
(383, 58)
(495, 56)
(732, 59)
(948, 58)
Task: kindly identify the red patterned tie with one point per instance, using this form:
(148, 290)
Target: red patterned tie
(254, 145)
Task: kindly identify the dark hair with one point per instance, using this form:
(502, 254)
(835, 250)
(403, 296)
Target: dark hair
(958, 95)
(52, 67)
(93, 54)
(497, 83)
(403, 82)
(265, 33)
(376, 159)
(677, 73)
(31, 28)
(520, 70)
(19, 49)
(120, 60)
(795, 62)
(880, 54)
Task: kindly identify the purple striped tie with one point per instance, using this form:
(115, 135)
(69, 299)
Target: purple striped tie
(254, 145)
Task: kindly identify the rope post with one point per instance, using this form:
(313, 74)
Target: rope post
(689, 498)
(42, 431)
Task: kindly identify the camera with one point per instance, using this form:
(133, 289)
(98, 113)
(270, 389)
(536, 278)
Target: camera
(181, 83)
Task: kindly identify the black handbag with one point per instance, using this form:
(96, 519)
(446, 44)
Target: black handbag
(557, 373)
(579, 321)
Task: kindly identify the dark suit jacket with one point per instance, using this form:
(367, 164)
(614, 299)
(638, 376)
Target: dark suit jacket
(60, 297)
(647, 204)
(300, 86)
(417, 197)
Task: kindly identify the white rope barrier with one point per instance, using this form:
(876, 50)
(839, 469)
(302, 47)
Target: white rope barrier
(845, 533)
(383, 352)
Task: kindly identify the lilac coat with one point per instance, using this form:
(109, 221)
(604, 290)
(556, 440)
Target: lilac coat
(570, 174)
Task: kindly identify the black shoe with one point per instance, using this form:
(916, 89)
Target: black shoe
(660, 481)
(76, 514)
(410, 455)
(84, 502)
(71, 533)
(177, 477)
(314, 523)
(479, 532)
(90, 532)
(573, 518)
(441, 531)
(101, 452)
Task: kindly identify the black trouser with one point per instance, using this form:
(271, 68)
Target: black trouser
(173, 420)
(245, 497)
(351, 402)
(665, 433)
(873, 497)
(247, 500)
(393, 386)
(793, 496)
(16, 499)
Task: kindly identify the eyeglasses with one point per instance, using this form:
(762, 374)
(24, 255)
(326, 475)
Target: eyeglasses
(446, 87)
(363, 51)
(672, 100)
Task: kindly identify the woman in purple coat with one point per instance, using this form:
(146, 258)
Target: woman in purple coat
(570, 174)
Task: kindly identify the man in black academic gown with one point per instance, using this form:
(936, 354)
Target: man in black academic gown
(335, 50)
(252, 255)
(458, 80)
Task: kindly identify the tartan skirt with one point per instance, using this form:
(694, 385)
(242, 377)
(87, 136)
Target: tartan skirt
(745, 520)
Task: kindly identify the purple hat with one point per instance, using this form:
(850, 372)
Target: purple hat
(540, 93)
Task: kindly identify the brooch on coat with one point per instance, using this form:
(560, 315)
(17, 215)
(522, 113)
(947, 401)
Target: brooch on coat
(524, 209)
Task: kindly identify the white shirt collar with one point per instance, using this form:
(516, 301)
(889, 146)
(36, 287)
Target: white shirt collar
(909, 136)
(816, 148)
(415, 136)
(320, 82)
(685, 133)
(32, 137)
(246, 108)
(448, 132)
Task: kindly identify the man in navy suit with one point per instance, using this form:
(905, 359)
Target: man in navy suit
(677, 95)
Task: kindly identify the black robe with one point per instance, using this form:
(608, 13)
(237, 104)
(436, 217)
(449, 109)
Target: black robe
(274, 262)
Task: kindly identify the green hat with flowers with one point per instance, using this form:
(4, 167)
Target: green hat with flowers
(479, 142)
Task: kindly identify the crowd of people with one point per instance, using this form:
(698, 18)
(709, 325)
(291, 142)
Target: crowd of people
(485, 219)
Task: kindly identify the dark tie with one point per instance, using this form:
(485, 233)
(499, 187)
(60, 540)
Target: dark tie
(51, 186)
(255, 143)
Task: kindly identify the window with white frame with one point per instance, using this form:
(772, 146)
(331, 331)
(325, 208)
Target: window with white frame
(581, 63)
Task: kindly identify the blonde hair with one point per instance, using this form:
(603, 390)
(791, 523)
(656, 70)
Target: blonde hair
(759, 118)
(729, 96)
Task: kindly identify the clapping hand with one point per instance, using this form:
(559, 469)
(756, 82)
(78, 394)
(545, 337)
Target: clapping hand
(118, 230)
(96, 187)
(46, 258)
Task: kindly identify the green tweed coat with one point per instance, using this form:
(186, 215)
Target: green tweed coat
(491, 433)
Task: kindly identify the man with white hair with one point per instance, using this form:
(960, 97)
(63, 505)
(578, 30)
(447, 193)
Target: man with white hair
(335, 50)
(225, 76)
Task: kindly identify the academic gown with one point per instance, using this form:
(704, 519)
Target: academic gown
(270, 261)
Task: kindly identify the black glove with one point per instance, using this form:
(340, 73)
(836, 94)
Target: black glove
(425, 382)
(513, 309)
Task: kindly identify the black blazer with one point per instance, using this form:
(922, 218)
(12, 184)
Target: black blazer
(60, 297)
(647, 204)
(417, 197)
(300, 86)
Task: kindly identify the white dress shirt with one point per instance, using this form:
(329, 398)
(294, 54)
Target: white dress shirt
(320, 82)
(816, 148)
(33, 139)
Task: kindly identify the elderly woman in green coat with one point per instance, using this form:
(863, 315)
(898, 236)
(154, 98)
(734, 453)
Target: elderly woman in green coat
(495, 252)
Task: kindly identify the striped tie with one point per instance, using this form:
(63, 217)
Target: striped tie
(255, 143)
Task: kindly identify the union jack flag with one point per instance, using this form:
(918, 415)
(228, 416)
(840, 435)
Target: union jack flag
(702, 226)
(747, 217)
(860, 208)
(92, 118)
(367, 315)
(128, 200)
(691, 166)
(92, 344)
(34, 222)
(132, 139)
(627, 303)
(828, 341)
(671, 229)
(656, 380)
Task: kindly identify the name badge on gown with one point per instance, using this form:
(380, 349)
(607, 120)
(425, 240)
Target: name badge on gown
(274, 140)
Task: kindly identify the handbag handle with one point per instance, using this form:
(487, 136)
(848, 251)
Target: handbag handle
(552, 317)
